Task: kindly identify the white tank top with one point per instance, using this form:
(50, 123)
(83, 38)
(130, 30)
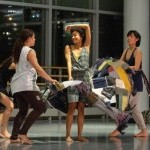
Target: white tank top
(25, 77)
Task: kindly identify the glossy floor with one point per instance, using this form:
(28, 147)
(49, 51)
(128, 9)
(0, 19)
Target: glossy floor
(47, 134)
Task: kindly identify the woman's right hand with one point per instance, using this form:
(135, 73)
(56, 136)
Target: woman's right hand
(53, 81)
(70, 78)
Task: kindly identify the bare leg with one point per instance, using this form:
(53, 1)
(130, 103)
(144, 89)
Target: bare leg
(69, 120)
(1, 116)
(5, 100)
(80, 121)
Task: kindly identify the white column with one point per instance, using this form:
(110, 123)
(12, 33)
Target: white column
(136, 17)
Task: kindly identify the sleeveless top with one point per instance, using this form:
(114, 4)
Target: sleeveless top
(82, 63)
(25, 77)
(80, 71)
(80, 66)
(137, 78)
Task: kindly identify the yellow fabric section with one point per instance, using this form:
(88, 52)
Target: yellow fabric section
(123, 76)
(102, 65)
(124, 102)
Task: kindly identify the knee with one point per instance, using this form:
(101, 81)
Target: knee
(22, 114)
(10, 108)
(81, 107)
(71, 109)
(41, 107)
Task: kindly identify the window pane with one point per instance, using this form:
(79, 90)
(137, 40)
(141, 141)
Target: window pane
(32, 14)
(60, 37)
(74, 3)
(10, 14)
(110, 36)
(111, 5)
(29, 1)
(13, 20)
(8, 35)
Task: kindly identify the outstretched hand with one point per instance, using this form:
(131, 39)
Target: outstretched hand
(59, 86)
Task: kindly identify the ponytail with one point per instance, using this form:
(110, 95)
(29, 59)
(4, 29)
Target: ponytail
(25, 34)
(17, 50)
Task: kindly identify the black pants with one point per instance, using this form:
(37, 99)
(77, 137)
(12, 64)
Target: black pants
(23, 121)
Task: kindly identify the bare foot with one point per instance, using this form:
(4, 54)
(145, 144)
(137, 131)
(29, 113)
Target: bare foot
(15, 141)
(114, 133)
(24, 139)
(82, 139)
(143, 133)
(69, 139)
(5, 134)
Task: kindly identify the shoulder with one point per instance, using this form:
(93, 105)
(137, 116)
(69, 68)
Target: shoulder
(67, 49)
(26, 49)
(138, 51)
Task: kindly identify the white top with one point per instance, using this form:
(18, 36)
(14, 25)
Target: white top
(25, 77)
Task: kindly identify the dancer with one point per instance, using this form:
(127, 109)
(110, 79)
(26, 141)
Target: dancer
(7, 69)
(24, 88)
(77, 58)
(133, 57)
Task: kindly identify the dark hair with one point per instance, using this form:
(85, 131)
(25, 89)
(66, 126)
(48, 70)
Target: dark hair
(81, 32)
(25, 34)
(137, 35)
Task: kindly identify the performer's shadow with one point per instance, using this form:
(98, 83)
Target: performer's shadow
(139, 143)
(78, 145)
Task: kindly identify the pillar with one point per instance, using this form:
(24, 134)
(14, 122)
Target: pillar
(136, 17)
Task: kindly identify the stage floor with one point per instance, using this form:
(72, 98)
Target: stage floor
(47, 134)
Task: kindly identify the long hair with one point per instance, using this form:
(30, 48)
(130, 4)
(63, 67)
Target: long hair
(25, 34)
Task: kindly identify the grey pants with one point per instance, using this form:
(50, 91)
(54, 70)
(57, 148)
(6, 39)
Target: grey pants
(113, 112)
(136, 113)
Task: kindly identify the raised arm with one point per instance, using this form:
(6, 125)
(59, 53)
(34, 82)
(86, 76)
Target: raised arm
(86, 27)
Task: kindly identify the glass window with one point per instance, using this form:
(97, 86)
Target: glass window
(8, 35)
(110, 36)
(14, 19)
(10, 14)
(29, 1)
(74, 3)
(32, 14)
(62, 38)
(111, 5)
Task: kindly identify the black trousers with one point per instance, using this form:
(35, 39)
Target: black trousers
(23, 121)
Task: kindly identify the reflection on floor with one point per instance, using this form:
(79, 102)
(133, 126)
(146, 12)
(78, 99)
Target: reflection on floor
(50, 135)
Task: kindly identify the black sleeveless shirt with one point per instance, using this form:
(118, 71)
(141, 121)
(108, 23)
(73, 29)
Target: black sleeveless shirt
(137, 78)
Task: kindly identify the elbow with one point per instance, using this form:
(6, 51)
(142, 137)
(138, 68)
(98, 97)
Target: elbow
(38, 70)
